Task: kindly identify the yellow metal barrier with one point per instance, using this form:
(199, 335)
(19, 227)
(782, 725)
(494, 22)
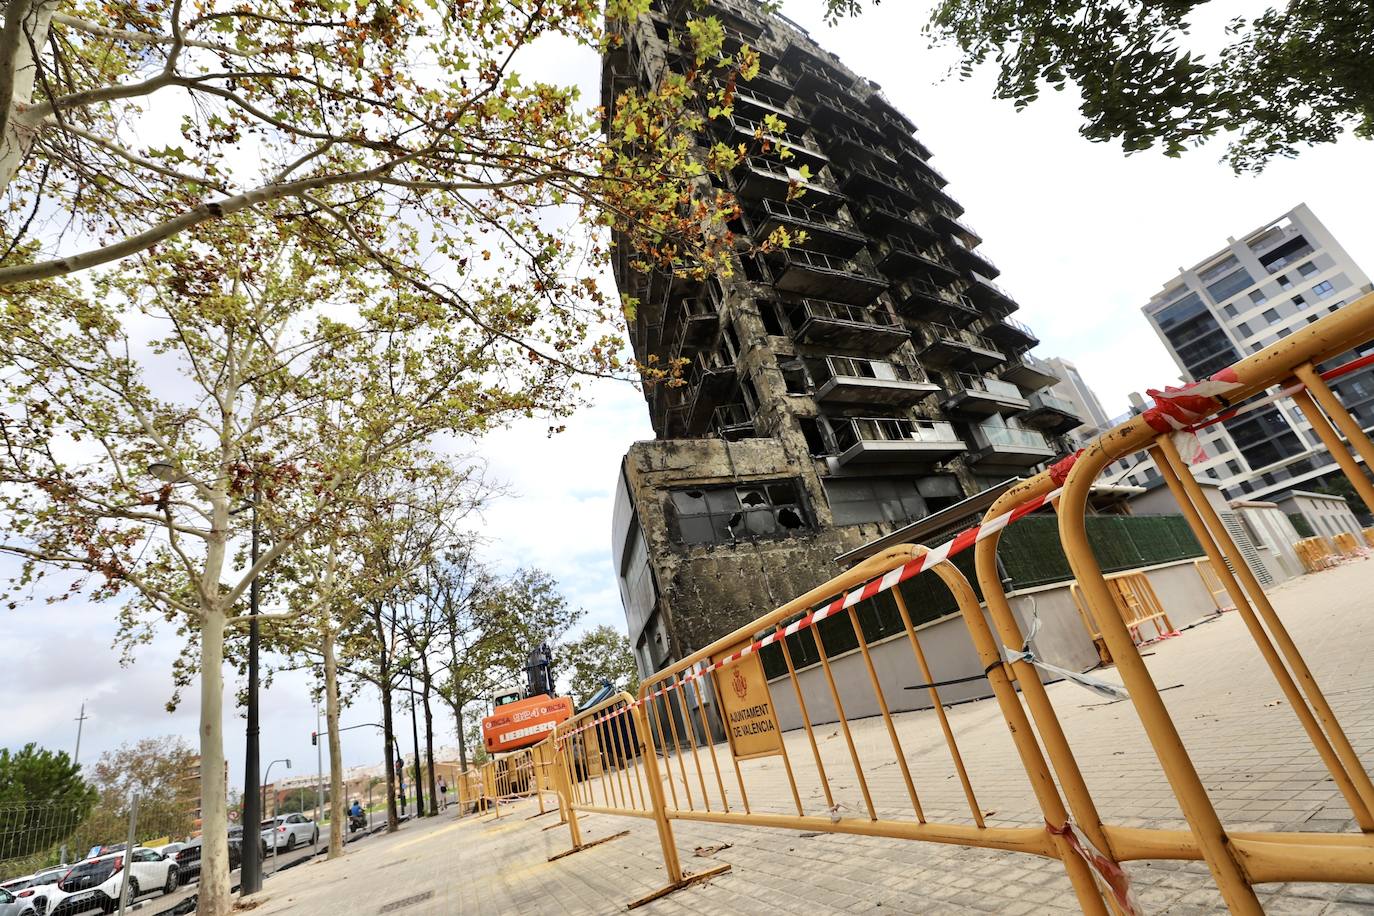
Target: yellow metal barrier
(1349, 545)
(657, 757)
(1212, 582)
(1368, 537)
(1316, 553)
(1237, 861)
(603, 764)
(1135, 601)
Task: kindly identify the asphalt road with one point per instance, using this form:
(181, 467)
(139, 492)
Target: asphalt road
(160, 903)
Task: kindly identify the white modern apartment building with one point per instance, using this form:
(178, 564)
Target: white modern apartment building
(1259, 288)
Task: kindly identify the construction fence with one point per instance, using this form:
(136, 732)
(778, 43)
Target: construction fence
(651, 756)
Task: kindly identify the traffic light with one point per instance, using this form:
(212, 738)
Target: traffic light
(314, 738)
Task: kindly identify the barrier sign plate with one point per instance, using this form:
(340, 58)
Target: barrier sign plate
(750, 717)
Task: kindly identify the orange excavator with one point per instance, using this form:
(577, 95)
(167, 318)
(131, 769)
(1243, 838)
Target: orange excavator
(521, 720)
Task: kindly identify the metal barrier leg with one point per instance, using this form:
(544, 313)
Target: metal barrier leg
(677, 878)
(1338, 755)
(1317, 389)
(1042, 783)
(1042, 710)
(564, 780)
(1154, 715)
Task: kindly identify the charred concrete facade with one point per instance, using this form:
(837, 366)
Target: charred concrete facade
(837, 389)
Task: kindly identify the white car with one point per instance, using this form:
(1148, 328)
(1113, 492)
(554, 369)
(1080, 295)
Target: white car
(39, 894)
(170, 850)
(287, 831)
(96, 883)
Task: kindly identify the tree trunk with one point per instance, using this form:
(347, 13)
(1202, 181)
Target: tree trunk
(429, 735)
(392, 816)
(19, 135)
(215, 898)
(337, 819)
(458, 703)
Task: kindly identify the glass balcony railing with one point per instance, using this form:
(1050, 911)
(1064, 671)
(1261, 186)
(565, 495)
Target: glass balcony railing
(1011, 436)
(1043, 399)
(969, 382)
(851, 431)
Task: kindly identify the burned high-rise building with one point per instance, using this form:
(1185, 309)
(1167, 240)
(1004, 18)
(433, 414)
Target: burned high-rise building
(837, 390)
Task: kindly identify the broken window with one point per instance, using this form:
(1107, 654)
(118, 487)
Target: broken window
(751, 394)
(770, 314)
(811, 431)
(874, 499)
(723, 515)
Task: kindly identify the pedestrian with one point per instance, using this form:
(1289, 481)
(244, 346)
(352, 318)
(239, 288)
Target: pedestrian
(443, 794)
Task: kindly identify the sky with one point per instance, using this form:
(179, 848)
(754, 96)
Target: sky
(1083, 235)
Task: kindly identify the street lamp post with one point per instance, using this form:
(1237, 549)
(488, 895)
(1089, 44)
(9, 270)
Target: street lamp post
(250, 877)
(257, 847)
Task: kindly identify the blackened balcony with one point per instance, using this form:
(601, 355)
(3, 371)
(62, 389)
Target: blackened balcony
(756, 103)
(798, 53)
(999, 446)
(825, 232)
(874, 330)
(970, 258)
(696, 324)
(812, 79)
(758, 178)
(927, 301)
(733, 421)
(710, 380)
(823, 276)
(773, 83)
(990, 295)
(860, 179)
(945, 346)
(930, 188)
(1029, 372)
(748, 131)
(1051, 413)
(900, 259)
(869, 440)
(889, 117)
(978, 395)
(854, 380)
(842, 142)
(734, 38)
(828, 111)
(929, 171)
(948, 221)
(1011, 334)
(887, 216)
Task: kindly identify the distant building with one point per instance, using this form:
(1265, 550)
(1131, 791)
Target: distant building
(191, 777)
(1071, 387)
(1258, 289)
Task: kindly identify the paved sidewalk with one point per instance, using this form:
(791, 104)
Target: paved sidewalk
(1247, 745)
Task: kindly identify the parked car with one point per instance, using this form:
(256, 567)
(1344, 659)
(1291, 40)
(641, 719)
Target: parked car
(96, 883)
(188, 857)
(287, 831)
(170, 850)
(40, 892)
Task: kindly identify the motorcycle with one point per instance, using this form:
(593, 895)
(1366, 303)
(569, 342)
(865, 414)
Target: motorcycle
(356, 822)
